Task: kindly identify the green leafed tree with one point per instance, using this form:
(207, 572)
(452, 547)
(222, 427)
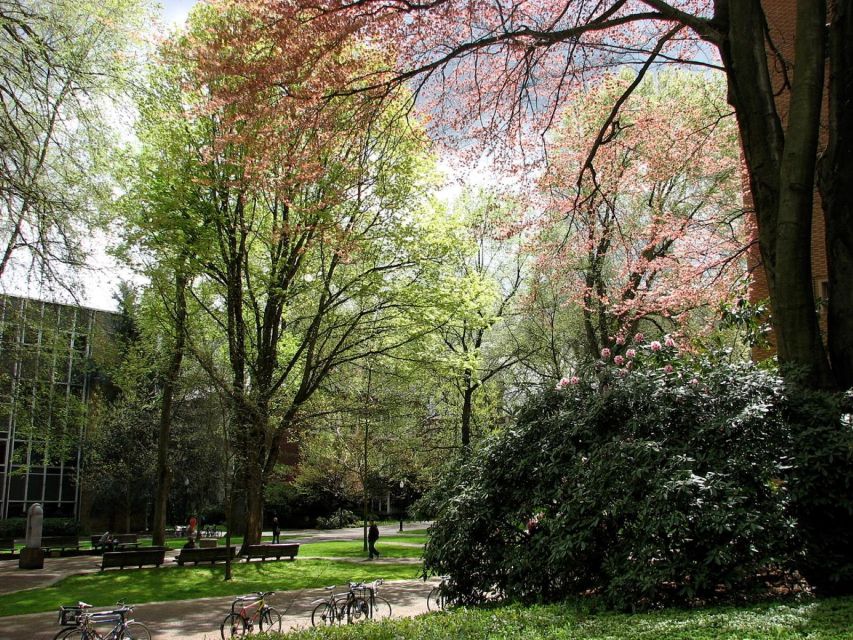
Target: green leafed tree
(62, 64)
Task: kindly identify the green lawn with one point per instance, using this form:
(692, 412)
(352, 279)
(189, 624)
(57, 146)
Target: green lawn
(137, 586)
(354, 549)
(412, 538)
(829, 619)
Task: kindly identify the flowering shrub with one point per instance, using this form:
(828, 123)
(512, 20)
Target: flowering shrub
(651, 486)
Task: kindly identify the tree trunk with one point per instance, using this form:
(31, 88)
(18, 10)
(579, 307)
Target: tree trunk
(467, 410)
(164, 471)
(254, 487)
(796, 321)
(837, 194)
(781, 169)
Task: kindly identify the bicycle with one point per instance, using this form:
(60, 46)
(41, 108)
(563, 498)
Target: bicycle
(437, 599)
(238, 623)
(358, 604)
(80, 625)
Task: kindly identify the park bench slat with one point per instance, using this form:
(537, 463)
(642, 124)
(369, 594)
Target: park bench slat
(136, 558)
(206, 554)
(270, 550)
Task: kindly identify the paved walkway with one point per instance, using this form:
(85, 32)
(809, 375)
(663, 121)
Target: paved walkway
(199, 619)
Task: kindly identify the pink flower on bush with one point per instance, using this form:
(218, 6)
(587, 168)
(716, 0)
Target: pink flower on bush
(669, 342)
(620, 339)
(619, 360)
(605, 353)
(668, 368)
(655, 345)
(629, 365)
(694, 382)
(631, 353)
(639, 337)
(565, 382)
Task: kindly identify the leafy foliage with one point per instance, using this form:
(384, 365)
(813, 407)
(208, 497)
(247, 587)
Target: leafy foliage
(663, 484)
(821, 620)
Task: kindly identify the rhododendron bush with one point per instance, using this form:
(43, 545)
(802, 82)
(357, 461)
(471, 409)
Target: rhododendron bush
(682, 480)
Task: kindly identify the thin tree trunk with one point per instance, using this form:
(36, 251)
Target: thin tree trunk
(164, 471)
(467, 411)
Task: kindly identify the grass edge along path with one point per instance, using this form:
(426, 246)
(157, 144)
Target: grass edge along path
(815, 619)
(138, 586)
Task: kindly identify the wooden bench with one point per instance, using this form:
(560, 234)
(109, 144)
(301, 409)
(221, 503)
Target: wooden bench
(206, 554)
(7, 544)
(269, 550)
(135, 558)
(207, 543)
(126, 541)
(62, 543)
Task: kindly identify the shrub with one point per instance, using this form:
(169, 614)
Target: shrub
(338, 520)
(663, 484)
(822, 486)
(17, 527)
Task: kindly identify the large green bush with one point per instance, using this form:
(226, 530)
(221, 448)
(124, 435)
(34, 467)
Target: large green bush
(822, 486)
(671, 482)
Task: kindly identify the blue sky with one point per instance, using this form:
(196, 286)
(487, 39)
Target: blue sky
(175, 11)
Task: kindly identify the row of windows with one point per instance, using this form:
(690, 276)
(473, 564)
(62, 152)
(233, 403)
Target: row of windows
(50, 487)
(31, 454)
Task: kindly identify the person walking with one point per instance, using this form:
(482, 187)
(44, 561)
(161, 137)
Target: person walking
(276, 530)
(372, 537)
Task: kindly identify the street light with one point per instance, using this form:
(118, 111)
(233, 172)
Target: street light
(402, 486)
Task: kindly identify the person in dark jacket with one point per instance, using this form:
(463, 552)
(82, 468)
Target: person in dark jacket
(372, 537)
(276, 531)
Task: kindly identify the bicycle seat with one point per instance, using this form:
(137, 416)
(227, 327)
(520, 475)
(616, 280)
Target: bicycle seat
(329, 588)
(83, 605)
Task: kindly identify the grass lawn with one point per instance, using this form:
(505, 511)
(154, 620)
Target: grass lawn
(354, 549)
(412, 538)
(826, 619)
(137, 586)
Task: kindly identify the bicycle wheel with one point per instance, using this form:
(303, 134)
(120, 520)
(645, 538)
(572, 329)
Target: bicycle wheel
(436, 600)
(70, 633)
(381, 608)
(323, 615)
(135, 631)
(233, 625)
(270, 621)
(358, 610)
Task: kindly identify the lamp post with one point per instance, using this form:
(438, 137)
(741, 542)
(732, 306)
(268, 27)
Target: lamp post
(402, 486)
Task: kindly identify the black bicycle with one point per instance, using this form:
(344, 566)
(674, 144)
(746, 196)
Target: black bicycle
(79, 624)
(437, 599)
(358, 604)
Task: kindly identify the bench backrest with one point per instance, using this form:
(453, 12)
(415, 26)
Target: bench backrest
(273, 549)
(149, 555)
(124, 538)
(206, 553)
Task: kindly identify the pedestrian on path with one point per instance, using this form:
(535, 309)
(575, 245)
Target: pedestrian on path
(372, 537)
(276, 530)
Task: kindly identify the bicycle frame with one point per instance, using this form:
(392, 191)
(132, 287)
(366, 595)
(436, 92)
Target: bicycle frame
(258, 603)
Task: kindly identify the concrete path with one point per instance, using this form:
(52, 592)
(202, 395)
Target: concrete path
(199, 619)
